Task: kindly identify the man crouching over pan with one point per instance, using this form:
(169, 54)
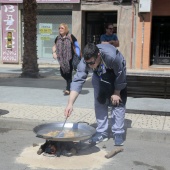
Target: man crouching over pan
(109, 83)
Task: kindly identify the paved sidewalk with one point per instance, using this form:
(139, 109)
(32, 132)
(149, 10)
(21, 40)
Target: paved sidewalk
(138, 126)
(55, 113)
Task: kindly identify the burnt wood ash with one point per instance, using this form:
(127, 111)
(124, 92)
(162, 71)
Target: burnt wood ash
(58, 148)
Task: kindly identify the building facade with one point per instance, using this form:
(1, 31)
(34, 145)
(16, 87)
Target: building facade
(153, 38)
(142, 27)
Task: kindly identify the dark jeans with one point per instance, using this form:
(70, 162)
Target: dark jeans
(67, 76)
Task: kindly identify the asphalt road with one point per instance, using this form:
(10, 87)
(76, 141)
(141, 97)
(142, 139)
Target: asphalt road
(137, 154)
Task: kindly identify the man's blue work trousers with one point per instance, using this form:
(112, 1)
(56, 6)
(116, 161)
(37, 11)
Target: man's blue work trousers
(101, 112)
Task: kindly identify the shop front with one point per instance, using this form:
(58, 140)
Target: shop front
(47, 29)
(85, 20)
(143, 35)
(49, 16)
(152, 36)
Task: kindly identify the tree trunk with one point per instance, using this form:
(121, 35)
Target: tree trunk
(30, 66)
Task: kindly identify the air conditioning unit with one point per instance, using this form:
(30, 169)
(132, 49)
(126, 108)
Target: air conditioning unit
(145, 6)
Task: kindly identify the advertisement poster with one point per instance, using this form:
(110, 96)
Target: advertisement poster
(45, 30)
(10, 33)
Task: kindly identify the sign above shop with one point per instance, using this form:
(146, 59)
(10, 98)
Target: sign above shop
(42, 1)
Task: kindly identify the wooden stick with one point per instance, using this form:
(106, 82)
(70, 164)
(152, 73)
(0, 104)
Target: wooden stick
(113, 152)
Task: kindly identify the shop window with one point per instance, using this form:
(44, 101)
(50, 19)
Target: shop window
(47, 30)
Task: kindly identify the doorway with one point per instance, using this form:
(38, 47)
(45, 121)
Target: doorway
(95, 25)
(160, 41)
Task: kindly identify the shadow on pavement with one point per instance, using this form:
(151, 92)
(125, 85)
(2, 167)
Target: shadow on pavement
(88, 149)
(3, 112)
(50, 78)
(84, 92)
(128, 124)
(39, 83)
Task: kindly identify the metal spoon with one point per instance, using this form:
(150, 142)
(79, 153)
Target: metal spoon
(61, 133)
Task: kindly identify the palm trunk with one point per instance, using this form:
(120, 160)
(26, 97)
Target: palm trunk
(30, 66)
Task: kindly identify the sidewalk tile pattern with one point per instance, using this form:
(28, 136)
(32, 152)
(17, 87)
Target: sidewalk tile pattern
(52, 114)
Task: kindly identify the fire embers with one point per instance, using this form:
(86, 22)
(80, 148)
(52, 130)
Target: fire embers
(58, 148)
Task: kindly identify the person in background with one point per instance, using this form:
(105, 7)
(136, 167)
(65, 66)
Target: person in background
(63, 50)
(109, 83)
(109, 37)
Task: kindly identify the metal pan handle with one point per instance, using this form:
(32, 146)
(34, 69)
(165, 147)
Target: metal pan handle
(41, 136)
(83, 122)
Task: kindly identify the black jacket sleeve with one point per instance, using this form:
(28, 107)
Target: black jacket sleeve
(73, 38)
(55, 40)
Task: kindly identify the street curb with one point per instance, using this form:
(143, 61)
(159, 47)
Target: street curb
(130, 133)
(148, 112)
(42, 76)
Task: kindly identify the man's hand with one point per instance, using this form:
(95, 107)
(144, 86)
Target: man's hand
(115, 98)
(68, 110)
(71, 100)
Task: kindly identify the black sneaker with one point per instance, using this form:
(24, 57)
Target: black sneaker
(98, 137)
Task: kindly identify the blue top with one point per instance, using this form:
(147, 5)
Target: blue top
(112, 59)
(108, 38)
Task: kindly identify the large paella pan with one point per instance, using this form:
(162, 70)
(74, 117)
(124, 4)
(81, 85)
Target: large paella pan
(72, 131)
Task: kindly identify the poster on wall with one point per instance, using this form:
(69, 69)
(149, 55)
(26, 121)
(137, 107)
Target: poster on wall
(45, 30)
(9, 33)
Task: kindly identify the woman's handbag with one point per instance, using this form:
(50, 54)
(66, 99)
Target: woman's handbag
(76, 60)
